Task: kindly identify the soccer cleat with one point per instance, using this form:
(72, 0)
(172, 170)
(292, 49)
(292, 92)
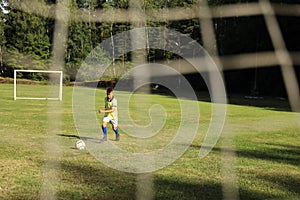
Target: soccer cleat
(117, 137)
(103, 139)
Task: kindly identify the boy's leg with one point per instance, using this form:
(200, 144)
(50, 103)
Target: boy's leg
(104, 129)
(114, 123)
(116, 130)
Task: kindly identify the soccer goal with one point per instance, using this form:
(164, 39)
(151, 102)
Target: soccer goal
(38, 84)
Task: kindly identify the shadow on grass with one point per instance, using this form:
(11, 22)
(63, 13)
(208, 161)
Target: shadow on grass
(267, 102)
(273, 153)
(99, 182)
(95, 181)
(284, 154)
(166, 188)
(79, 137)
(288, 183)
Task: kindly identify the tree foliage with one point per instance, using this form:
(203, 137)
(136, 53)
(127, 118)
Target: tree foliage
(26, 38)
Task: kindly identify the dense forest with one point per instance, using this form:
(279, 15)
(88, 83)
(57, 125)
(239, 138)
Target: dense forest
(27, 39)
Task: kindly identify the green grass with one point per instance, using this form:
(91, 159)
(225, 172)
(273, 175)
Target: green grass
(259, 148)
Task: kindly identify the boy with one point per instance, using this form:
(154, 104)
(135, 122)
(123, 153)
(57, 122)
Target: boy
(110, 114)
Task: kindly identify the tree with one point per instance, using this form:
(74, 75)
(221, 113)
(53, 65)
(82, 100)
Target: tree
(109, 29)
(82, 37)
(27, 41)
(3, 40)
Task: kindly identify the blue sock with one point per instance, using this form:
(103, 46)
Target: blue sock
(117, 131)
(104, 130)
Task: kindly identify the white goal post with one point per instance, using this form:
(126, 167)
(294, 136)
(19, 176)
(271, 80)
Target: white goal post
(59, 93)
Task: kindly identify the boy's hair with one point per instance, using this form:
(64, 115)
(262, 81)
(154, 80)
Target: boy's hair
(109, 90)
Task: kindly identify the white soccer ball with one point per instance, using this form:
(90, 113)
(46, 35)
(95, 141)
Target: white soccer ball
(80, 145)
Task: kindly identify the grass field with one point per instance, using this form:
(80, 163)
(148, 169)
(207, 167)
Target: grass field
(256, 157)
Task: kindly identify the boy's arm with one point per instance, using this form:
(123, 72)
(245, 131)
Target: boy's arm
(107, 111)
(111, 110)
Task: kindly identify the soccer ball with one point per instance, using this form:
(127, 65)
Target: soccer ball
(80, 145)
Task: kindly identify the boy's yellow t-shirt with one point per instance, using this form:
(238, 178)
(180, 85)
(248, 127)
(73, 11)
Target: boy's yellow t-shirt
(109, 105)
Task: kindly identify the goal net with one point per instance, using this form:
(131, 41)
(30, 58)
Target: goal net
(38, 84)
(269, 11)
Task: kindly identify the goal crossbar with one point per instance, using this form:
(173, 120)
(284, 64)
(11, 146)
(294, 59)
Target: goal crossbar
(38, 71)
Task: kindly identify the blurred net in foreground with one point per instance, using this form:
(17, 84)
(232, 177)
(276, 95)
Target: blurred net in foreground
(206, 15)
